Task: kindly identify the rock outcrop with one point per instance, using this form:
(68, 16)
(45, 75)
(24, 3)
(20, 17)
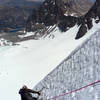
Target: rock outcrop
(60, 13)
(87, 20)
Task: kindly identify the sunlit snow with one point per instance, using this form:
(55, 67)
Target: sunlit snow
(29, 62)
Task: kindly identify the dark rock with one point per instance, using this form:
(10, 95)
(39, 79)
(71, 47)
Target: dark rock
(86, 20)
(82, 31)
(66, 22)
(51, 13)
(63, 14)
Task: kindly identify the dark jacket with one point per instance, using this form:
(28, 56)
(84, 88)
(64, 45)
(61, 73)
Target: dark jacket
(26, 94)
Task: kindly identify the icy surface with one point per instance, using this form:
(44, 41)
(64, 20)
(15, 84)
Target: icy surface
(29, 62)
(79, 69)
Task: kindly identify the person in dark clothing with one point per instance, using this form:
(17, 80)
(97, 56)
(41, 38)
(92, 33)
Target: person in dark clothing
(26, 93)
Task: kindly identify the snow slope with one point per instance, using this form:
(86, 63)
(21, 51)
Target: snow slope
(29, 62)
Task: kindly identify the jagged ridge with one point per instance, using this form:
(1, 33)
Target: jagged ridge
(52, 12)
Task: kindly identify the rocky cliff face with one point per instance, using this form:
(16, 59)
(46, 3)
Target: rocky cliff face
(78, 7)
(86, 21)
(61, 13)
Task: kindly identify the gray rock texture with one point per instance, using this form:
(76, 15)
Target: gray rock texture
(81, 68)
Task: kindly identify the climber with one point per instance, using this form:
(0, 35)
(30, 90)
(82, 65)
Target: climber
(26, 93)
